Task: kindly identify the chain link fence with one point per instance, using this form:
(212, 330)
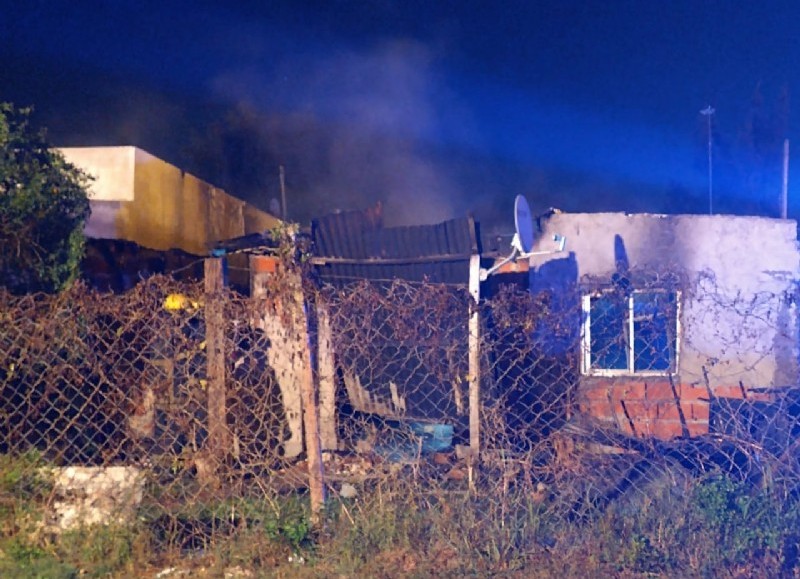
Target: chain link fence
(574, 390)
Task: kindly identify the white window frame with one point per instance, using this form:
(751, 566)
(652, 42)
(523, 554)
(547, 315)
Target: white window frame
(586, 337)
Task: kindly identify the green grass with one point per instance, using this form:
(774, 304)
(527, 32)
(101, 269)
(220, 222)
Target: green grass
(716, 526)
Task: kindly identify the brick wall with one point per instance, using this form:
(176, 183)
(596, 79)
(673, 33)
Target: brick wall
(656, 407)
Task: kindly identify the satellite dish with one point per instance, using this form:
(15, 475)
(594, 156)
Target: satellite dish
(523, 224)
(522, 244)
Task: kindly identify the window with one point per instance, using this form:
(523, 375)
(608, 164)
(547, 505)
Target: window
(635, 333)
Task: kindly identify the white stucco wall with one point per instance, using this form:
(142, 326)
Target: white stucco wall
(112, 169)
(739, 318)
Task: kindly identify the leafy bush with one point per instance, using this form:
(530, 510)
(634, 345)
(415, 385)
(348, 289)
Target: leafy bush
(43, 208)
(746, 523)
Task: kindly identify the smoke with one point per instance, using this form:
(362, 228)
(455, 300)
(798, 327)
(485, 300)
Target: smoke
(353, 128)
(461, 120)
(356, 126)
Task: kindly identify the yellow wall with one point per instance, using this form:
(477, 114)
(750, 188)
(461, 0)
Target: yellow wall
(138, 197)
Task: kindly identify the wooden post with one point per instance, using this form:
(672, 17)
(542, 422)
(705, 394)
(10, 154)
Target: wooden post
(316, 480)
(474, 357)
(218, 434)
(326, 374)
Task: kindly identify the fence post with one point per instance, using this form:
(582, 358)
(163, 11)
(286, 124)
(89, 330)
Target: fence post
(474, 357)
(280, 319)
(316, 480)
(293, 359)
(326, 374)
(215, 355)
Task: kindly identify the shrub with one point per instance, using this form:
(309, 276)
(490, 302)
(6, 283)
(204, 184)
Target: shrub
(43, 208)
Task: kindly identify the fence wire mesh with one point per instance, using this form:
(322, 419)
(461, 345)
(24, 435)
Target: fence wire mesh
(582, 408)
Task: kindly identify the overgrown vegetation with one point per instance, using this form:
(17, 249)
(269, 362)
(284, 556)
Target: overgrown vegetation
(85, 382)
(43, 208)
(715, 526)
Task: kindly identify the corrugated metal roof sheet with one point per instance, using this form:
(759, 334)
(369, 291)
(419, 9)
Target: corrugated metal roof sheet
(253, 243)
(353, 245)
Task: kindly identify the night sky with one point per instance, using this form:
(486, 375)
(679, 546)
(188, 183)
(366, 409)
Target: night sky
(438, 109)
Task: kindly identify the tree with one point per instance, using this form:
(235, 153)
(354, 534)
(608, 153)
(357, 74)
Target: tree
(43, 208)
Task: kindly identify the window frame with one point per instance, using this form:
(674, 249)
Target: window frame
(586, 336)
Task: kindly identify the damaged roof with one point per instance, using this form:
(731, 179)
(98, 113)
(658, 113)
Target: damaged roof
(354, 245)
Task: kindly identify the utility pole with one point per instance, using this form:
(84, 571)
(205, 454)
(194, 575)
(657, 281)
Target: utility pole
(708, 112)
(282, 174)
(785, 183)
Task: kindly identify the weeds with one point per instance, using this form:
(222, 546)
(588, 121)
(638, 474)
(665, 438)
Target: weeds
(700, 527)
(745, 523)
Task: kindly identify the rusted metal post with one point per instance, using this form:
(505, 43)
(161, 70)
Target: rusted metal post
(218, 434)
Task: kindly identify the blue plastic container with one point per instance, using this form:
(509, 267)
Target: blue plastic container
(435, 437)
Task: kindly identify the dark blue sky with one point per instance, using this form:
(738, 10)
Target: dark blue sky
(437, 108)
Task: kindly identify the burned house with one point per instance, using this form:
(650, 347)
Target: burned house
(411, 338)
(679, 314)
(654, 325)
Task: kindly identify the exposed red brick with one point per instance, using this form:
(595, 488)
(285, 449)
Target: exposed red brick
(264, 264)
(666, 429)
(649, 409)
(728, 391)
(668, 410)
(698, 410)
(641, 409)
(737, 392)
(659, 390)
(693, 392)
(596, 392)
(631, 390)
(697, 427)
(616, 391)
(643, 427)
(598, 409)
(618, 409)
